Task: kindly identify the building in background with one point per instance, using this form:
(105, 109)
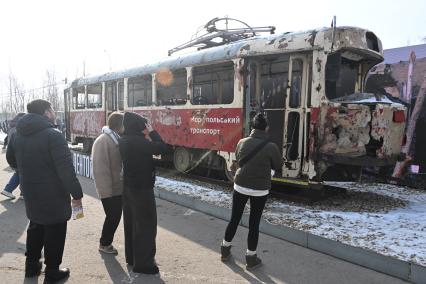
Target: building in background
(393, 77)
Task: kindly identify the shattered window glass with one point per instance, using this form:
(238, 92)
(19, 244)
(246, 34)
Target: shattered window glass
(293, 136)
(296, 83)
(273, 82)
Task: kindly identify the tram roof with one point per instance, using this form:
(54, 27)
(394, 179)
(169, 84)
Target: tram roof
(259, 45)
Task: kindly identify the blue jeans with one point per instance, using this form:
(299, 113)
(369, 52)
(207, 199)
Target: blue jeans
(13, 183)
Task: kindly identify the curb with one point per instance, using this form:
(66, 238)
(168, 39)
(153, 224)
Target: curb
(385, 264)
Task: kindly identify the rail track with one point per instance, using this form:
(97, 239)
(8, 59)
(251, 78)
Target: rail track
(216, 180)
(288, 193)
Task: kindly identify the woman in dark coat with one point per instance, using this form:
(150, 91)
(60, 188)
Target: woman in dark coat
(139, 208)
(252, 181)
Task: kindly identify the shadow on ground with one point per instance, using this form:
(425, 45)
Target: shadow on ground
(13, 223)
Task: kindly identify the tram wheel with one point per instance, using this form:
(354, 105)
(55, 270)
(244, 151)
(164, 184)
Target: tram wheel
(182, 159)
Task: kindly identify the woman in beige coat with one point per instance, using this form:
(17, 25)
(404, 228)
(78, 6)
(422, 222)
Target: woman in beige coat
(107, 167)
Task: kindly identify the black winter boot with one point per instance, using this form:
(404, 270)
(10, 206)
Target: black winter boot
(32, 268)
(55, 275)
(147, 270)
(225, 252)
(253, 262)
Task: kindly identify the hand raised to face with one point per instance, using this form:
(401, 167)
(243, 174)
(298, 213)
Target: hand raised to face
(149, 127)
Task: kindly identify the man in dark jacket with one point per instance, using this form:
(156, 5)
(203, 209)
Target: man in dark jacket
(41, 155)
(139, 209)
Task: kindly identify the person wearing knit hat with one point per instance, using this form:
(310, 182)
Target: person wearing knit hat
(256, 158)
(139, 208)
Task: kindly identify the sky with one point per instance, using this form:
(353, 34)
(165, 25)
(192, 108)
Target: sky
(70, 37)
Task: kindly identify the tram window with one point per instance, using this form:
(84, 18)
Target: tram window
(78, 98)
(293, 136)
(121, 95)
(296, 83)
(213, 84)
(94, 96)
(273, 82)
(140, 91)
(171, 87)
(251, 83)
(340, 76)
(111, 92)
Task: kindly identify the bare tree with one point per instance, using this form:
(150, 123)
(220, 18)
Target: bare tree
(5, 107)
(16, 95)
(51, 90)
(31, 95)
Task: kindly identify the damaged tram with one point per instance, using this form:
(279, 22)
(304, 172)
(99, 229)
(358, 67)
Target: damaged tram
(309, 84)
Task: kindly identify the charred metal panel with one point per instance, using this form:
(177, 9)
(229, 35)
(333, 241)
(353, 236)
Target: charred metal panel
(364, 131)
(318, 78)
(351, 38)
(383, 128)
(313, 129)
(312, 36)
(284, 43)
(87, 123)
(345, 129)
(239, 74)
(213, 129)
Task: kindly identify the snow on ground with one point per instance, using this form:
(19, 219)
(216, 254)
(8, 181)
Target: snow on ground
(398, 232)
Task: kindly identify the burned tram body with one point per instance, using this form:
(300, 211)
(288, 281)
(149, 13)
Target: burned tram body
(310, 85)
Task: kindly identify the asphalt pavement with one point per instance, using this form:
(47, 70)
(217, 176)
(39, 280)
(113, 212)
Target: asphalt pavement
(187, 250)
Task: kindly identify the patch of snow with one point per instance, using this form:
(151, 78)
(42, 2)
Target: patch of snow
(400, 233)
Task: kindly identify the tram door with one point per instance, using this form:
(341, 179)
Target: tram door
(111, 98)
(294, 141)
(272, 77)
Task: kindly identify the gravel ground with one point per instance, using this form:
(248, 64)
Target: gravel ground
(353, 200)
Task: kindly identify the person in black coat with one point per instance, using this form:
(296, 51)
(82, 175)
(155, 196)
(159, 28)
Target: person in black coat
(46, 172)
(139, 208)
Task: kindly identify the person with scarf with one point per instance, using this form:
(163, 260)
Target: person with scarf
(107, 168)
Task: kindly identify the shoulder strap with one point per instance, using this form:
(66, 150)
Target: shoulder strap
(250, 155)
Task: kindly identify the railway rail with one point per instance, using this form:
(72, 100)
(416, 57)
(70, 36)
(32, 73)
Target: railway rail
(288, 193)
(214, 179)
